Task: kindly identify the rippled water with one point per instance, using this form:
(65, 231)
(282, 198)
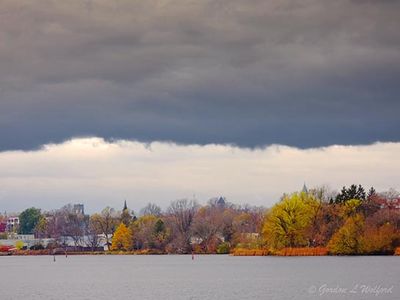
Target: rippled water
(207, 277)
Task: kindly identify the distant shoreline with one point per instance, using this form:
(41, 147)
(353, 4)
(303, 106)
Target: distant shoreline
(236, 252)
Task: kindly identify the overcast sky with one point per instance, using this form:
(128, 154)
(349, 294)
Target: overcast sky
(98, 173)
(250, 74)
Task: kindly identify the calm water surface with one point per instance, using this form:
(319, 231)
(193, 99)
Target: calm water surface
(207, 277)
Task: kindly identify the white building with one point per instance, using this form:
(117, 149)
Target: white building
(12, 223)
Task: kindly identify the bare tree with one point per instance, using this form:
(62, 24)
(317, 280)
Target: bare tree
(323, 193)
(181, 213)
(93, 238)
(75, 224)
(390, 195)
(151, 209)
(66, 223)
(106, 223)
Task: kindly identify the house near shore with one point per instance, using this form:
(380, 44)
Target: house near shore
(12, 224)
(196, 240)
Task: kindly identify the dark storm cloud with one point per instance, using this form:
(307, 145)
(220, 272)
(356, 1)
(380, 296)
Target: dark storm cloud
(303, 73)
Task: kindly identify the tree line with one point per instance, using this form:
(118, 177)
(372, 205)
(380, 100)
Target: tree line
(352, 222)
(183, 227)
(349, 222)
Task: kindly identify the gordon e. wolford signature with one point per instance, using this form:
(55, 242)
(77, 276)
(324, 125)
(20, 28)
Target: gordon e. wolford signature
(376, 290)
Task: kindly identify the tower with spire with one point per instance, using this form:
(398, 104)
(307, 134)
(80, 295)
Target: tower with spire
(126, 216)
(125, 206)
(305, 189)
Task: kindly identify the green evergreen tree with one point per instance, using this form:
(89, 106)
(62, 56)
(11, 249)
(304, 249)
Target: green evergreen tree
(28, 220)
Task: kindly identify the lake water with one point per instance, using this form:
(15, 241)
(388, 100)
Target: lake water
(206, 277)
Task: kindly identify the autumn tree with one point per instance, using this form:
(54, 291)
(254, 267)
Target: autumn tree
(351, 207)
(19, 244)
(287, 221)
(206, 226)
(122, 239)
(347, 240)
(227, 227)
(380, 240)
(150, 233)
(327, 220)
(370, 205)
(242, 227)
(41, 228)
(143, 227)
(385, 215)
(161, 234)
(249, 219)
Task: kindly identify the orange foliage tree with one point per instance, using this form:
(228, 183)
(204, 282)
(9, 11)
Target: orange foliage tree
(122, 239)
(380, 240)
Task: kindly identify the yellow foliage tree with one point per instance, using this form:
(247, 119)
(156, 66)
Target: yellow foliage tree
(286, 223)
(347, 240)
(19, 245)
(143, 228)
(122, 239)
(350, 207)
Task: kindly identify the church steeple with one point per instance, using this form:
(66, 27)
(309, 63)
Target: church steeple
(126, 216)
(125, 206)
(305, 189)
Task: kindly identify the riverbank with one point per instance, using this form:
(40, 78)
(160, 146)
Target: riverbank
(62, 252)
(306, 251)
(317, 251)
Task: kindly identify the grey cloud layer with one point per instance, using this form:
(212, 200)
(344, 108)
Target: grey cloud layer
(303, 73)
